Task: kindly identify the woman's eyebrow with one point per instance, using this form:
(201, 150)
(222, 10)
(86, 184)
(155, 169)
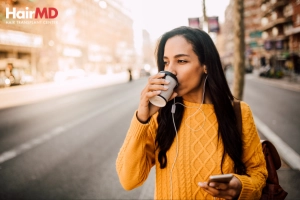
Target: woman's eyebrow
(178, 55)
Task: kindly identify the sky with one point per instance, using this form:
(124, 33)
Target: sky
(160, 16)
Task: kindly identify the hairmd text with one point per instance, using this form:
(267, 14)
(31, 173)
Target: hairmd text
(47, 13)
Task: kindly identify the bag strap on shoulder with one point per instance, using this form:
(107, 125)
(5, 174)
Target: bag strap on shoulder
(238, 114)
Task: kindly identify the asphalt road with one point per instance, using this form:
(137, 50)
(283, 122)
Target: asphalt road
(66, 147)
(278, 108)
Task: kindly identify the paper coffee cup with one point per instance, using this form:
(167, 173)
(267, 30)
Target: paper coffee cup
(162, 99)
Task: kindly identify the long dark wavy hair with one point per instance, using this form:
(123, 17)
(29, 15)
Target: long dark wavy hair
(221, 98)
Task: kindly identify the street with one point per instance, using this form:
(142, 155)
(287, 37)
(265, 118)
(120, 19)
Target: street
(78, 162)
(66, 147)
(278, 108)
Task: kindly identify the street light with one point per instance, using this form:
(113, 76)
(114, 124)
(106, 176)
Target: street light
(264, 21)
(103, 4)
(265, 35)
(275, 31)
(274, 16)
(51, 43)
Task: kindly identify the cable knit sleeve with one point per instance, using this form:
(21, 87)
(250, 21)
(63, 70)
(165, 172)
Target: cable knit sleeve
(137, 154)
(253, 158)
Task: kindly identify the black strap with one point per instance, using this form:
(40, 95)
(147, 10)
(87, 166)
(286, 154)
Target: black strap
(238, 114)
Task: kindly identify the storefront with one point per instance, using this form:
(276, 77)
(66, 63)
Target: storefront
(20, 50)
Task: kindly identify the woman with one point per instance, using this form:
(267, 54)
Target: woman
(207, 142)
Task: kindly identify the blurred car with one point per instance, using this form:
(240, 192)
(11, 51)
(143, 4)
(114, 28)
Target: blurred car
(4, 81)
(249, 69)
(270, 72)
(26, 79)
(16, 76)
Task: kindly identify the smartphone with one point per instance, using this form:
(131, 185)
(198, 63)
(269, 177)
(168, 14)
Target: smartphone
(223, 178)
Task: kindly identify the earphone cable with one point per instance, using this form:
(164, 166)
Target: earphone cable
(177, 149)
(177, 145)
(203, 96)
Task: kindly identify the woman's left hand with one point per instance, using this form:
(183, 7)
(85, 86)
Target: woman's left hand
(229, 190)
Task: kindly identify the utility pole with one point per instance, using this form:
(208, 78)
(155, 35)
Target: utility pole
(204, 25)
(239, 49)
(204, 10)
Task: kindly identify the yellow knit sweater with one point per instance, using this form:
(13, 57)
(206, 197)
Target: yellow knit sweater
(199, 155)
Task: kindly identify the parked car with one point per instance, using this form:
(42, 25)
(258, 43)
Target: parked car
(4, 81)
(269, 72)
(249, 69)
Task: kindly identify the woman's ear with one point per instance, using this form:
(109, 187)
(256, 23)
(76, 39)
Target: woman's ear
(205, 69)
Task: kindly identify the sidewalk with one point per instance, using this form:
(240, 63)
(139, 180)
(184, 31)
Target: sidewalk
(289, 178)
(285, 82)
(25, 94)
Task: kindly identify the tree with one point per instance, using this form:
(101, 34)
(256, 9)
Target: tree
(239, 49)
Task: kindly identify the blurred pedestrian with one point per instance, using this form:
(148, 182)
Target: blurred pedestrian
(130, 74)
(207, 142)
(9, 73)
(9, 69)
(263, 61)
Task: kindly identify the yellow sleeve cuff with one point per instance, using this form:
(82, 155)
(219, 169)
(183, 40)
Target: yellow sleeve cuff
(247, 188)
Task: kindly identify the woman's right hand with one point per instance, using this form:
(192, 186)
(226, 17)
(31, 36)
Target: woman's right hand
(154, 87)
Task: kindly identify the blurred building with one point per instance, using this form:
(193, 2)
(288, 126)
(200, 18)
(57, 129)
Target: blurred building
(253, 33)
(294, 29)
(92, 35)
(272, 29)
(276, 18)
(148, 52)
(19, 44)
(228, 35)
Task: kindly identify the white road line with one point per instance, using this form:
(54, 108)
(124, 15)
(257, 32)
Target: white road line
(291, 157)
(5, 156)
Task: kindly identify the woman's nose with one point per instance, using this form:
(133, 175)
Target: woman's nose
(173, 72)
(171, 69)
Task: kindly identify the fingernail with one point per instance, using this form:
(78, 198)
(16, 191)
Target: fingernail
(158, 91)
(212, 184)
(161, 74)
(200, 184)
(167, 81)
(166, 87)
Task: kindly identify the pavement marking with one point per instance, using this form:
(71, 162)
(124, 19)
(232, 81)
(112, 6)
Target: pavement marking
(18, 150)
(291, 157)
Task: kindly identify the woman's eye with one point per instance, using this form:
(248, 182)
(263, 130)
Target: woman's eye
(165, 62)
(182, 61)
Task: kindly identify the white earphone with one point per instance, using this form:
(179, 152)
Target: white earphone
(173, 109)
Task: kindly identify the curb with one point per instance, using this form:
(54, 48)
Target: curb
(291, 157)
(280, 83)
